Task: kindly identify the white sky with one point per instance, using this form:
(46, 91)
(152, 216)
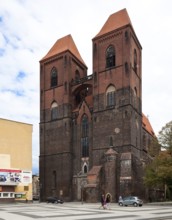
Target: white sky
(29, 28)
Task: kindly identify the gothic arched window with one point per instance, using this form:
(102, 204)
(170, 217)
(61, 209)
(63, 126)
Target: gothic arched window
(54, 179)
(85, 168)
(135, 91)
(110, 57)
(65, 60)
(135, 60)
(54, 111)
(84, 136)
(110, 96)
(77, 75)
(53, 77)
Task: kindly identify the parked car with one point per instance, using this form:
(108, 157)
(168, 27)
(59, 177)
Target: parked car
(35, 197)
(53, 199)
(130, 200)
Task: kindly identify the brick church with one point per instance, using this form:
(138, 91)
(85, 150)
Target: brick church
(94, 137)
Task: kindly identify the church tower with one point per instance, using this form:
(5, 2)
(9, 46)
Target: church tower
(58, 69)
(117, 111)
(91, 125)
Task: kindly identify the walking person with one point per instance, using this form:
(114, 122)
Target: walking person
(108, 200)
(103, 201)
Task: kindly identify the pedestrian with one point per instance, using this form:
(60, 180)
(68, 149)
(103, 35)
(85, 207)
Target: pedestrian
(120, 198)
(103, 201)
(108, 200)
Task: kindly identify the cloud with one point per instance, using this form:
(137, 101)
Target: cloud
(29, 28)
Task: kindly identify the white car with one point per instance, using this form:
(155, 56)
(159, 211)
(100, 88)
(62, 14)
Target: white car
(130, 200)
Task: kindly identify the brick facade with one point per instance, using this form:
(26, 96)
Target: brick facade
(97, 119)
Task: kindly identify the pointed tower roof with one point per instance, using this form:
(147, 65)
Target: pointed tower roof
(63, 44)
(115, 21)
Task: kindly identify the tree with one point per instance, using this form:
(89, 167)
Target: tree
(154, 147)
(159, 172)
(165, 137)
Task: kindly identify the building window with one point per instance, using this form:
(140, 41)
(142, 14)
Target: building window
(126, 67)
(85, 168)
(84, 136)
(135, 97)
(95, 48)
(65, 60)
(135, 60)
(144, 141)
(111, 141)
(54, 179)
(110, 96)
(126, 35)
(110, 57)
(11, 194)
(77, 76)
(54, 111)
(65, 85)
(5, 195)
(135, 91)
(26, 188)
(95, 77)
(53, 77)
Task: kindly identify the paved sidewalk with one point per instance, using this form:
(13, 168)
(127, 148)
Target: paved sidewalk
(168, 203)
(85, 211)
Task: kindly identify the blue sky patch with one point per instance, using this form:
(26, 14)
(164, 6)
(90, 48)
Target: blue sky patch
(6, 38)
(21, 75)
(16, 92)
(19, 93)
(2, 51)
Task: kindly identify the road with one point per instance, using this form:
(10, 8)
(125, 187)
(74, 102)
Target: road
(78, 211)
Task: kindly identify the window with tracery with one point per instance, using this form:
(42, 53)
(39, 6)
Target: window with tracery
(110, 57)
(110, 96)
(84, 136)
(54, 111)
(53, 77)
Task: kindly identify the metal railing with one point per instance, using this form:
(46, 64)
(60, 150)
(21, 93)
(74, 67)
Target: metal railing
(81, 80)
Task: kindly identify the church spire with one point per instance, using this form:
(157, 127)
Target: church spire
(63, 44)
(115, 21)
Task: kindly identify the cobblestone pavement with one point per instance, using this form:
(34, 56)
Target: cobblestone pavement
(78, 211)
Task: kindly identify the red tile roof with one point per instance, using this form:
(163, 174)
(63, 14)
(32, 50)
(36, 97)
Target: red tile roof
(115, 21)
(95, 170)
(63, 44)
(146, 125)
(110, 151)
